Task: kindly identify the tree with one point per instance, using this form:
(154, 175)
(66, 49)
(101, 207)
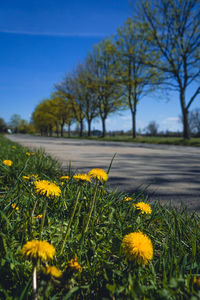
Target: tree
(63, 103)
(25, 127)
(103, 80)
(3, 126)
(174, 33)
(15, 122)
(152, 128)
(85, 92)
(194, 121)
(69, 87)
(43, 117)
(136, 79)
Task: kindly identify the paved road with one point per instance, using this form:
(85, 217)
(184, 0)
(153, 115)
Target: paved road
(171, 172)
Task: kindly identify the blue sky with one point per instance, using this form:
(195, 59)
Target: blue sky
(42, 40)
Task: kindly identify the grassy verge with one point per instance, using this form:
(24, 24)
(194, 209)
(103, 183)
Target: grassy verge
(87, 226)
(195, 142)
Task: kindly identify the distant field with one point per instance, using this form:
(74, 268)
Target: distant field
(149, 140)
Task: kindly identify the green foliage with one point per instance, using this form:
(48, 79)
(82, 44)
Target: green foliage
(148, 140)
(106, 273)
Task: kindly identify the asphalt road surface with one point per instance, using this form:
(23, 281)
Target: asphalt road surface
(172, 173)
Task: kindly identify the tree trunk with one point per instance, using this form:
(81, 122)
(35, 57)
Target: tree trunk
(50, 130)
(69, 130)
(89, 127)
(61, 128)
(186, 132)
(134, 124)
(81, 128)
(57, 130)
(103, 127)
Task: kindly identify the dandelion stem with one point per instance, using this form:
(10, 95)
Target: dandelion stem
(91, 208)
(71, 219)
(35, 283)
(43, 217)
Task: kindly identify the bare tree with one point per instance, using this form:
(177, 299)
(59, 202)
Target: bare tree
(194, 121)
(152, 128)
(174, 32)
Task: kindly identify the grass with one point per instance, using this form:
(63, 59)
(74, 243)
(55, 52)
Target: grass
(104, 270)
(195, 142)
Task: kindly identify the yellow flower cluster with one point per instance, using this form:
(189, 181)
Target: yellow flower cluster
(38, 250)
(74, 265)
(138, 247)
(30, 177)
(38, 217)
(8, 162)
(82, 177)
(27, 153)
(53, 271)
(128, 198)
(14, 205)
(47, 188)
(14, 147)
(64, 177)
(143, 207)
(196, 281)
(98, 174)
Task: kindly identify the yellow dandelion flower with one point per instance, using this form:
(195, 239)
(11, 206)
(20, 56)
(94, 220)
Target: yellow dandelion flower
(14, 205)
(64, 177)
(27, 153)
(53, 271)
(74, 265)
(38, 250)
(47, 188)
(128, 198)
(82, 177)
(143, 207)
(138, 247)
(196, 281)
(38, 217)
(8, 162)
(30, 177)
(14, 147)
(98, 174)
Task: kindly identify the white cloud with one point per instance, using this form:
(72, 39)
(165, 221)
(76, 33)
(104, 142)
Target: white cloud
(171, 123)
(171, 119)
(55, 34)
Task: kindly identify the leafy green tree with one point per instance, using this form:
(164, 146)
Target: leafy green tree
(174, 33)
(43, 117)
(69, 87)
(135, 78)
(85, 92)
(103, 80)
(24, 127)
(63, 104)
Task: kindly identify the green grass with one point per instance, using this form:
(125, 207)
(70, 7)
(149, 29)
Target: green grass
(195, 142)
(106, 272)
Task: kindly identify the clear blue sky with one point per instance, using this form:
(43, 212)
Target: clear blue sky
(41, 40)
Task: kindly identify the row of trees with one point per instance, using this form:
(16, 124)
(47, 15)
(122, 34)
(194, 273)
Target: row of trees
(19, 125)
(158, 48)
